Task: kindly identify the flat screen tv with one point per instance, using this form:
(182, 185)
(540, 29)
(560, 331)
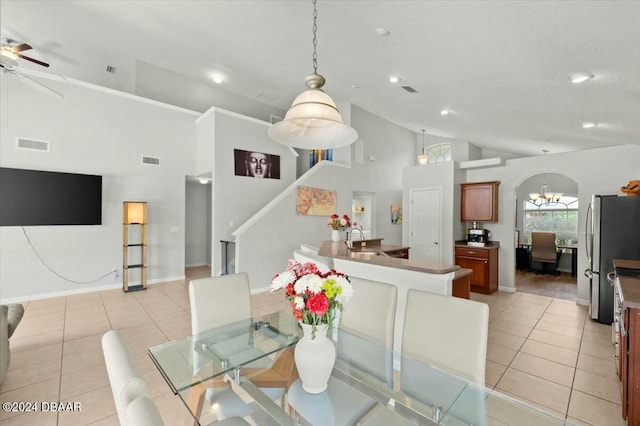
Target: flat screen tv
(36, 197)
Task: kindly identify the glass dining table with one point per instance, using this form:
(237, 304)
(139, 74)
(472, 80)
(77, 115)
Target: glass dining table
(241, 358)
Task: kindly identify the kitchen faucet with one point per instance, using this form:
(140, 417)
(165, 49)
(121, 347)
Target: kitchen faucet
(350, 236)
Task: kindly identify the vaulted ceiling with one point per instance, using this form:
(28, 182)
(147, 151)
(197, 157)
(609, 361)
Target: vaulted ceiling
(501, 68)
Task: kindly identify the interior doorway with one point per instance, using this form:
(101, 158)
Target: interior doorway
(363, 212)
(426, 224)
(547, 202)
(198, 249)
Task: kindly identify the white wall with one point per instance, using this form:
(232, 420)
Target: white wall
(95, 132)
(596, 171)
(264, 245)
(437, 175)
(393, 149)
(197, 224)
(236, 198)
(194, 94)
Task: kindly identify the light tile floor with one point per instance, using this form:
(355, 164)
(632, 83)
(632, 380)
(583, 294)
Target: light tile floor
(541, 350)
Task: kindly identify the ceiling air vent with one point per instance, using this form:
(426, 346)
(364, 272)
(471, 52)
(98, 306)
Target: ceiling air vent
(150, 160)
(33, 145)
(409, 89)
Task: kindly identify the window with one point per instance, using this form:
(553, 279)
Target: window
(439, 153)
(560, 217)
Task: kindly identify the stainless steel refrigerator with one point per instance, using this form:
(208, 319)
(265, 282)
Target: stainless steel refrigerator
(612, 231)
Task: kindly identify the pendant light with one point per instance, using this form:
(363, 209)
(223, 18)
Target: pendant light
(423, 158)
(313, 121)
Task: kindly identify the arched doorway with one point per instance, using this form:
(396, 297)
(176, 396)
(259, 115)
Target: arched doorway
(547, 202)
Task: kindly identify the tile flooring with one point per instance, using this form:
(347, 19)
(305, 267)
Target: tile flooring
(541, 350)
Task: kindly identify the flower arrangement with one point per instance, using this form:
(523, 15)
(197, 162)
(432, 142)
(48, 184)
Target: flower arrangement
(338, 223)
(315, 297)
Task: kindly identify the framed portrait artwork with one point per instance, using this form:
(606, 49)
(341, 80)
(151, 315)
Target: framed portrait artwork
(315, 201)
(256, 164)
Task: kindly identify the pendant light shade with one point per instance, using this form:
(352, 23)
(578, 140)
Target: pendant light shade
(313, 121)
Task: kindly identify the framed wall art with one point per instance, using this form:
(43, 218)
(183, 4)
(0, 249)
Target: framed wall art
(256, 164)
(315, 201)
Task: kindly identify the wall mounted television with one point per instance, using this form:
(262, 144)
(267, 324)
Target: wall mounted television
(36, 197)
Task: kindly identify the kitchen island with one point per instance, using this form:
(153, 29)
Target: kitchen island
(370, 261)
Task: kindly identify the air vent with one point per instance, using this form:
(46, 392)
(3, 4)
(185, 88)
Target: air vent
(150, 160)
(33, 145)
(409, 89)
(111, 69)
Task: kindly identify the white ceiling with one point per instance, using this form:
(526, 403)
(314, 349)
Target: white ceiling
(501, 67)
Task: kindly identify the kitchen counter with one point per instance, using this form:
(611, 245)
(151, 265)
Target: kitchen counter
(490, 244)
(369, 261)
(375, 255)
(630, 292)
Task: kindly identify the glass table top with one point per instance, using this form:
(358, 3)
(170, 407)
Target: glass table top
(394, 389)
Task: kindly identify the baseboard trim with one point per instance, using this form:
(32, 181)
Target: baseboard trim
(22, 299)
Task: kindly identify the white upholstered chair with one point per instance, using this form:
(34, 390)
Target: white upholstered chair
(126, 383)
(130, 393)
(370, 313)
(451, 334)
(448, 332)
(219, 301)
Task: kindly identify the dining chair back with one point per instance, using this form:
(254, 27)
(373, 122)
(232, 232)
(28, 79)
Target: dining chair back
(218, 301)
(368, 321)
(371, 313)
(448, 332)
(130, 393)
(223, 300)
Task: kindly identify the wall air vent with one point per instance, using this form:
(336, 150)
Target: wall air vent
(33, 145)
(409, 89)
(111, 69)
(150, 160)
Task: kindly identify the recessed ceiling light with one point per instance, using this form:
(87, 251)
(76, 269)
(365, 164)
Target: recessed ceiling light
(444, 112)
(589, 125)
(217, 78)
(580, 77)
(393, 79)
(203, 181)
(382, 32)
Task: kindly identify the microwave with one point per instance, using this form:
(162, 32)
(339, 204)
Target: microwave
(477, 237)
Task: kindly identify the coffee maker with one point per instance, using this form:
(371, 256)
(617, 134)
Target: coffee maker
(477, 237)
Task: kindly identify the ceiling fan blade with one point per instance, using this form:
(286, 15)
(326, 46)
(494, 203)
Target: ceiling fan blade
(21, 47)
(35, 61)
(37, 85)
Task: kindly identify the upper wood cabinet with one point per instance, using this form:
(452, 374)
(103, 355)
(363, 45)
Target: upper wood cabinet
(479, 202)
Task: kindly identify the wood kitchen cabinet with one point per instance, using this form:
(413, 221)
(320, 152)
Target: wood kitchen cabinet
(483, 261)
(627, 317)
(479, 202)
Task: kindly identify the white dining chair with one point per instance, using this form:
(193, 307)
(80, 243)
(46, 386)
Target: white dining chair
(370, 313)
(450, 334)
(220, 301)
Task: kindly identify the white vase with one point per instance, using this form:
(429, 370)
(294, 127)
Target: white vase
(335, 235)
(315, 358)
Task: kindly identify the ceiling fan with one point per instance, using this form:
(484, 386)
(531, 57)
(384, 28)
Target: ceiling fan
(10, 52)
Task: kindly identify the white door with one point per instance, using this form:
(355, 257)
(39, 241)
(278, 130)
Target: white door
(426, 224)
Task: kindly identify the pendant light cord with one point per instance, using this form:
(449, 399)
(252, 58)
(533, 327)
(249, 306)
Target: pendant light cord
(315, 39)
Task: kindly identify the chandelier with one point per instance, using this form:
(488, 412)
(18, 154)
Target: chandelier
(313, 121)
(545, 196)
